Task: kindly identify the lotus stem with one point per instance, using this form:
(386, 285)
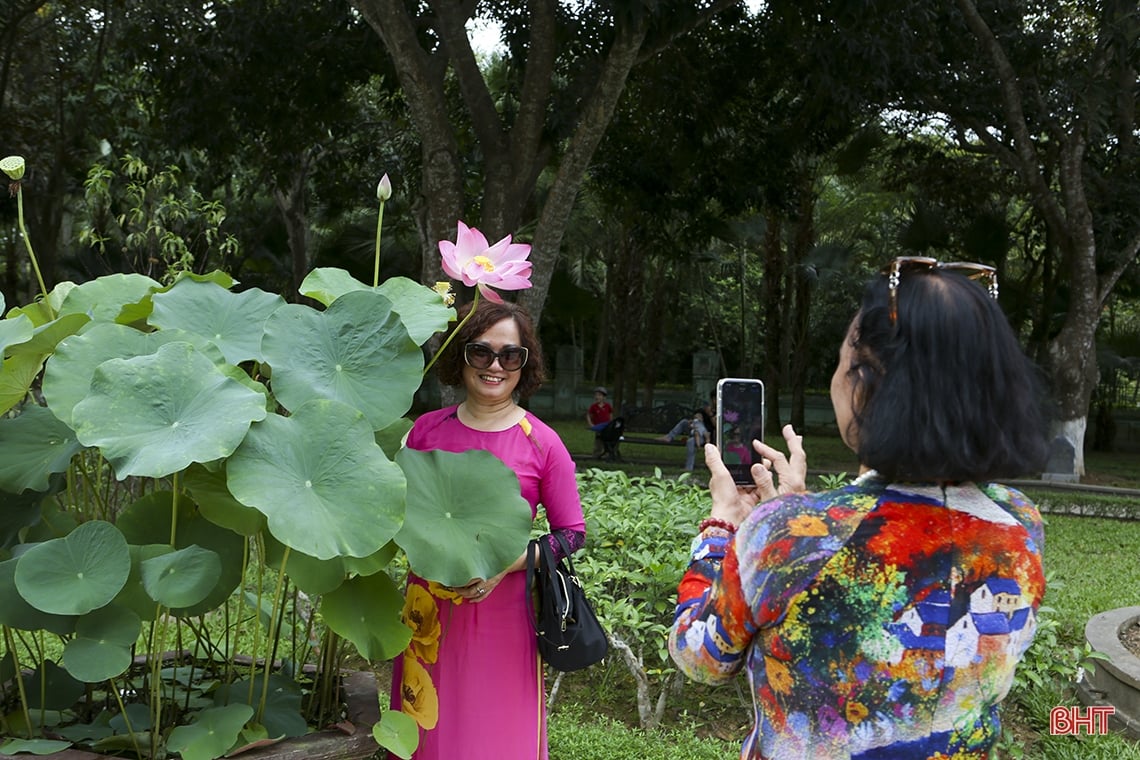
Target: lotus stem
(126, 717)
(174, 512)
(278, 599)
(31, 253)
(379, 228)
(474, 303)
(11, 644)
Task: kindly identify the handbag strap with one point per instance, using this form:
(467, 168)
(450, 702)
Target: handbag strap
(531, 547)
(548, 564)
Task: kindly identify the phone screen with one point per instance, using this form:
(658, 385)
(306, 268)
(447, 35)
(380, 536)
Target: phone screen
(739, 420)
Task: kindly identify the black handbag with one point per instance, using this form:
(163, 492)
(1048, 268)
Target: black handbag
(569, 634)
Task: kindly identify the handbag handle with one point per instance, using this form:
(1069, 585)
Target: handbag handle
(561, 595)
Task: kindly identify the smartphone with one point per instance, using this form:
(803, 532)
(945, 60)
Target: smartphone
(739, 420)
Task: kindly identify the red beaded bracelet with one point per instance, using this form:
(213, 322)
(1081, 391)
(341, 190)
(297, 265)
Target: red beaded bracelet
(715, 522)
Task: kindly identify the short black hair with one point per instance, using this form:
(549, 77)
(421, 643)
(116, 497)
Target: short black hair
(449, 366)
(944, 392)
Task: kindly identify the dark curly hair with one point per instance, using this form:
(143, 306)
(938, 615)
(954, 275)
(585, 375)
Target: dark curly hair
(449, 366)
(945, 392)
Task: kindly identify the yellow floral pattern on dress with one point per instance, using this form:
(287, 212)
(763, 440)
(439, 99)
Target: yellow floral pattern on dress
(440, 591)
(422, 616)
(420, 700)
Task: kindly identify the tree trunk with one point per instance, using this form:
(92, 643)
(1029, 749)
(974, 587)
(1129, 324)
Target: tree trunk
(1071, 355)
(773, 309)
(801, 306)
(290, 201)
(513, 157)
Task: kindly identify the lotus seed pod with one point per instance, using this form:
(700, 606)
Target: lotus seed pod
(13, 166)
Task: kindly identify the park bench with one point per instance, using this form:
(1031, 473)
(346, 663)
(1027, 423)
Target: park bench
(645, 425)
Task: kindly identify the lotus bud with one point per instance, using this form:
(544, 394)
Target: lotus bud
(384, 189)
(13, 166)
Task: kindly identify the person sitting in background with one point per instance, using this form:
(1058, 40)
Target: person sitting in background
(699, 429)
(884, 619)
(598, 416)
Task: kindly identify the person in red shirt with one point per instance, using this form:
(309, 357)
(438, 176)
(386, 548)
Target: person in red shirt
(598, 416)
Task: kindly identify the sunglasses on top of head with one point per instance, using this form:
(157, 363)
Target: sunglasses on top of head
(480, 356)
(904, 264)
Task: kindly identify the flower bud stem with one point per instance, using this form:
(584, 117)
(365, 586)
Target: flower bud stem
(379, 227)
(474, 304)
(31, 253)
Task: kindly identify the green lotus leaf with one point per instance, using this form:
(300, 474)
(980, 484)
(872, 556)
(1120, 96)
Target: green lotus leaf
(98, 728)
(75, 574)
(216, 276)
(373, 563)
(154, 415)
(422, 309)
(366, 611)
(46, 337)
(217, 504)
(20, 511)
(311, 575)
(325, 486)
(147, 521)
(233, 321)
(104, 297)
(17, 374)
(15, 612)
(468, 502)
(38, 311)
(134, 596)
(398, 733)
(211, 734)
(56, 521)
(61, 690)
(67, 377)
(326, 284)
(15, 331)
(33, 446)
(102, 645)
(282, 716)
(392, 437)
(137, 716)
(357, 352)
(33, 746)
(181, 578)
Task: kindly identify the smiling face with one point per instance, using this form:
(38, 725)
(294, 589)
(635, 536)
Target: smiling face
(493, 386)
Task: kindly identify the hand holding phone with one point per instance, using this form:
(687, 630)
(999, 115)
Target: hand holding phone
(739, 420)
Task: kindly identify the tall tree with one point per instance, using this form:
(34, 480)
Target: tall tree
(572, 63)
(1047, 88)
(1067, 157)
(264, 85)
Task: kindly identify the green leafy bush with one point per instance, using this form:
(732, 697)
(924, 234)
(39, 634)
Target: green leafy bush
(640, 533)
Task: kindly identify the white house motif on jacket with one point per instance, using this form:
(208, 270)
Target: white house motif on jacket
(997, 621)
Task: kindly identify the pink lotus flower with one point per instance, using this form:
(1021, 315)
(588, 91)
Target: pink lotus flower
(502, 265)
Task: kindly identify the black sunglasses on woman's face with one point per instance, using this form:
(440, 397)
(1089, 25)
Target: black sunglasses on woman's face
(480, 356)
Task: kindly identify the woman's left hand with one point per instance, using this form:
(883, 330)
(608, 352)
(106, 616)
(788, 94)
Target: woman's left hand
(478, 589)
(733, 502)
